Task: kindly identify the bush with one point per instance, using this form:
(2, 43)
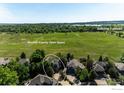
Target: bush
(106, 59)
(122, 58)
(111, 82)
(113, 73)
(121, 79)
(82, 74)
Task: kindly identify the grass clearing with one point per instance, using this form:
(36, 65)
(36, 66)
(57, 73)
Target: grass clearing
(80, 44)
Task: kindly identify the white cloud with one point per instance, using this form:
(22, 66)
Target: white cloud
(6, 15)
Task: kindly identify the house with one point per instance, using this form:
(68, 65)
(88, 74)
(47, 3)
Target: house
(56, 76)
(4, 61)
(42, 80)
(103, 64)
(55, 63)
(100, 82)
(24, 60)
(99, 71)
(120, 67)
(64, 82)
(71, 79)
(72, 65)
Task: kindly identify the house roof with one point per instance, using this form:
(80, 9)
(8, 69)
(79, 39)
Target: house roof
(98, 68)
(103, 64)
(120, 66)
(23, 60)
(42, 80)
(4, 61)
(100, 82)
(56, 76)
(71, 78)
(75, 63)
(64, 82)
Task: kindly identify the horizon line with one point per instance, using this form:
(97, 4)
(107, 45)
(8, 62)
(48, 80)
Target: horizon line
(58, 22)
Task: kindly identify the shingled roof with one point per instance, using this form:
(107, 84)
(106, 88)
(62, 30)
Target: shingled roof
(75, 63)
(100, 82)
(98, 68)
(120, 66)
(42, 80)
(4, 61)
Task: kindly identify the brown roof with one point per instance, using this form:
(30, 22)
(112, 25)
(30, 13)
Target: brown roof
(75, 63)
(100, 82)
(4, 61)
(98, 68)
(42, 80)
(120, 66)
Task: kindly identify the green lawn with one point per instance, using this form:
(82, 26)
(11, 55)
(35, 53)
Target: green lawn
(80, 44)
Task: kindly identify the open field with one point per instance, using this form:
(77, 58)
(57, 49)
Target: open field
(80, 44)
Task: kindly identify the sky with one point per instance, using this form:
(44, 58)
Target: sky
(59, 12)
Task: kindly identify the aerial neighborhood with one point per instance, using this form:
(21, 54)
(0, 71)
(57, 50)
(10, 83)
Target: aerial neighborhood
(59, 69)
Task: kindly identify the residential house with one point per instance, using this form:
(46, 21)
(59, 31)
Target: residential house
(42, 80)
(4, 61)
(120, 67)
(99, 71)
(72, 65)
(103, 64)
(100, 82)
(24, 60)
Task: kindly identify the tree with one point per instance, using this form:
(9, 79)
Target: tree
(100, 58)
(106, 59)
(23, 73)
(82, 74)
(89, 64)
(36, 68)
(69, 57)
(23, 55)
(63, 58)
(21, 69)
(113, 73)
(83, 61)
(13, 65)
(48, 69)
(92, 75)
(8, 77)
(37, 55)
(88, 57)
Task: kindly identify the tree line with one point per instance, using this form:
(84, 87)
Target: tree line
(45, 28)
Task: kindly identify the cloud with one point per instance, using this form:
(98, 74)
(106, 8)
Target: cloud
(6, 15)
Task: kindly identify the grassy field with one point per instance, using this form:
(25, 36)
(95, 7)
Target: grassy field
(80, 44)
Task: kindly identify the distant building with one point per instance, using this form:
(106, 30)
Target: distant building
(42, 80)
